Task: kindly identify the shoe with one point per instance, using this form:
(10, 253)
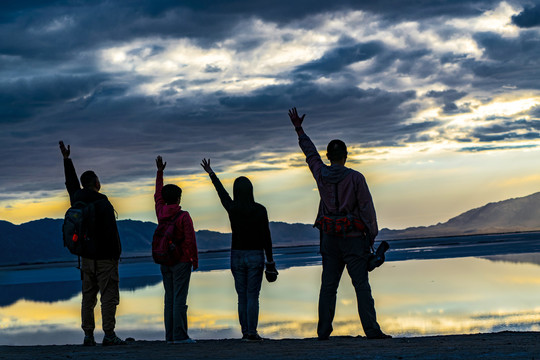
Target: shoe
(244, 337)
(170, 342)
(253, 338)
(113, 340)
(379, 336)
(185, 341)
(89, 340)
(323, 338)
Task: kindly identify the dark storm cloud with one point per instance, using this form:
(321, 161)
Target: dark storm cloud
(23, 98)
(29, 26)
(51, 87)
(535, 112)
(338, 58)
(529, 17)
(511, 61)
(504, 129)
(492, 148)
(447, 98)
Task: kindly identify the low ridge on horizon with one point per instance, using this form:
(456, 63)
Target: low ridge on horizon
(41, 240)
(511, 215)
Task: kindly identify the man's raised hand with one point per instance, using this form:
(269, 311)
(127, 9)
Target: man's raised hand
(295, 119)
(65, 151)
(206, 166)
(160, 164)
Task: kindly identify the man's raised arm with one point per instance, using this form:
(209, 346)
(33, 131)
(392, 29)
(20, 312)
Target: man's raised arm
(72, 182)
(313, 158)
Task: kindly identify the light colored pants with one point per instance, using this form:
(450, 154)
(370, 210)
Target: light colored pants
(247, 267)
(99, 276)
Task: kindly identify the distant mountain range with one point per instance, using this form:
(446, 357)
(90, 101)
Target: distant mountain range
(41, 240)
(512, 215)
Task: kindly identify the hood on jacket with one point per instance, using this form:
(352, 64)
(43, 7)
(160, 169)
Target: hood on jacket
(334, 173)
(169, 211)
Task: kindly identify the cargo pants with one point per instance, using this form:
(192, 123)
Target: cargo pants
(99, 276)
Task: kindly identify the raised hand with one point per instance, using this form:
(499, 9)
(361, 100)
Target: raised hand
(295, 119)
(160, 164)
(206, 166)
(65, 151)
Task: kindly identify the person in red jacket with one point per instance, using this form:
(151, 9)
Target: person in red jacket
(176, 277)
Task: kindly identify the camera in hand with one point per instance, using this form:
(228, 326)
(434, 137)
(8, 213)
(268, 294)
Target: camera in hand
(377, 258)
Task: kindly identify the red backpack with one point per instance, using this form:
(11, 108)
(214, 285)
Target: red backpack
(166, 250)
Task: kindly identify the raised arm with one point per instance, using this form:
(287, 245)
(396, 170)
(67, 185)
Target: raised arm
(313, 158)
(159, 185)
(72, 182)
(224, 196)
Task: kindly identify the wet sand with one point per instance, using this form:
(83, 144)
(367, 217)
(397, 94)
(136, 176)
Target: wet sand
(503, 345)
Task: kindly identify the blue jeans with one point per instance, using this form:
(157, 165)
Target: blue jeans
(176, 283)
(247, 267)
(338, 252)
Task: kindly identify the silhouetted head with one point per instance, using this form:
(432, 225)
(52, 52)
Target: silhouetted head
(243, 191)
(89, 180)
(336, 151)
(171, 194)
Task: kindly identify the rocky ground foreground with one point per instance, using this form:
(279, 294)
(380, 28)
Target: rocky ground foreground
(503, 345)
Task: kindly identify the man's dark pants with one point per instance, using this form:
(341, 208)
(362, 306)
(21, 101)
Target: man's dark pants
(338, 252)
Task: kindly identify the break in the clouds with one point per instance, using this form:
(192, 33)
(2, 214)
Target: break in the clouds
(124, 81)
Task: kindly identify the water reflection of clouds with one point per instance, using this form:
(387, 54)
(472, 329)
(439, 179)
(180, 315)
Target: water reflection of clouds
(420, 297)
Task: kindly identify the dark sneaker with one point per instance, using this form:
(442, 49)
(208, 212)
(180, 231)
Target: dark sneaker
(379, 336)
(113, 340)
(89, 341)
(253, 338)
(244, 337)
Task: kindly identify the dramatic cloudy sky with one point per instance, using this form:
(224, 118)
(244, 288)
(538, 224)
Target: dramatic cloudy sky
(439, 101)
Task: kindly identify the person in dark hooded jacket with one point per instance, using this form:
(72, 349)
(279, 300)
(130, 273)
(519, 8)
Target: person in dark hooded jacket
(348, 225)
(250, 241)
(99, 272)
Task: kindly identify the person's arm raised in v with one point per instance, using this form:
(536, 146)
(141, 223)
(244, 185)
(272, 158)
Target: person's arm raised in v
(224, 196)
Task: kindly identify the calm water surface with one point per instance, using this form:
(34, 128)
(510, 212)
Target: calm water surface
(412, 297)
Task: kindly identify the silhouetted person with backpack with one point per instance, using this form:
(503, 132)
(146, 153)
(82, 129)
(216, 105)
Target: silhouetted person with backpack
(175, 228)
(250, 242)
(99, 268)
(348, 226)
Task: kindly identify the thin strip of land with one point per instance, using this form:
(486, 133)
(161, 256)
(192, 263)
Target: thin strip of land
(494, 346)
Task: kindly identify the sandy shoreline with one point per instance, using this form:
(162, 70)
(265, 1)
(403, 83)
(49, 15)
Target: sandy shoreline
(503, 345)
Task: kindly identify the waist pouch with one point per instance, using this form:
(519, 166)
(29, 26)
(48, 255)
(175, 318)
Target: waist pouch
(339, 224)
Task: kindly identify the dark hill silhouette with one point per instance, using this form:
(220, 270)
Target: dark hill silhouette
(41, 240)
(512, 215)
